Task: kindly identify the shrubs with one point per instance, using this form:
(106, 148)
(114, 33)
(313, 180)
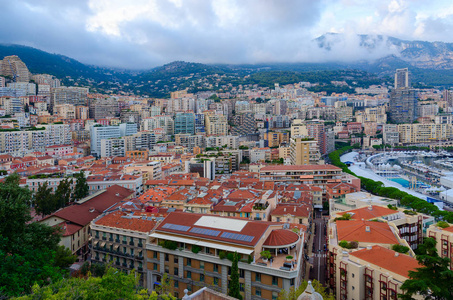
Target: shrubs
(443, 224)
(349, 245)
(222, 254)
(266, 254)
(171, 245)
(346, 217)
(400, 248)
(392, 207)
(196, 249)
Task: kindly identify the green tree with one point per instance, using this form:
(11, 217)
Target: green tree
(294, 293)
(81, 188)
(44, 200)
(27, 250)
(433, 280)
(233, 288)
(64, 257)
(63, 193)
(113, 285)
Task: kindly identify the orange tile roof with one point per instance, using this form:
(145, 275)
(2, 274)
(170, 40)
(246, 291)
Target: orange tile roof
(449, 229)
(386, 259)
(380, 232)
(365, 213)
(281, 237)
(117, 219)
(299, 167)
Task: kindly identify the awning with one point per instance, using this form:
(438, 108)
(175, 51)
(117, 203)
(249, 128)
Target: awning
(102, 244)
(203, 243)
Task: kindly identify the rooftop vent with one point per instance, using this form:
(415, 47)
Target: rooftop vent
(367, 229)
(396, 254)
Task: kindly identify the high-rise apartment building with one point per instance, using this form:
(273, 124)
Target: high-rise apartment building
(99, 133)
(216, 124)
(103, 108)
(68, 95)
(243, 124)
(403, 100)
(402, 78)
(403, 105)
(15, 68)
(304, 151)
(185, 123)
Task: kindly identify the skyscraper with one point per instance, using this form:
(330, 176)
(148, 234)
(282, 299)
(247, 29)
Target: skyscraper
(403, 99)
(402, 79)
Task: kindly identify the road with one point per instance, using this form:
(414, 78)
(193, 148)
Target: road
(318, 257)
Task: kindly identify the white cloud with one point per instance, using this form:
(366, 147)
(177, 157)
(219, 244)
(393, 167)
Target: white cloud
(146, 33)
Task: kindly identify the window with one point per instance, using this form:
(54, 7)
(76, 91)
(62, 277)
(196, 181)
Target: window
(167, 269)
(207, 250)
(258, 292)
(176, 271)
(175, 260)
(189, 288)
(124, 250)
(189, 262)
(202, 265)
(241, 287)
(155, 267)
(216, 268)
(176, 284)
(189, 274)
(278, 219)
(241, 273)
(216, 281)
(202, 277)
(155, 254)
(352, 275)
(166, 257)
(291, 282)
(274, 280)
(258, 277)
(274, 295)
(132, 252)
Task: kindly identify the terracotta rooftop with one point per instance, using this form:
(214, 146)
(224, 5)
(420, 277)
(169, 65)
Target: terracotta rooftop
(292, 209)
(82, 214)
(281, 237)
(352, 230)
(386, 259)
(365, 213)
(119, 219)
(299, 167)
(255, 229)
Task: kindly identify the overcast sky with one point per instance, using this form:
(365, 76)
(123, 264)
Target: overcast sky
(148, 33)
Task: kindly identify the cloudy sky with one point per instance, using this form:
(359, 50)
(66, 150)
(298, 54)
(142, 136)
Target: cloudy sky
(147, 33)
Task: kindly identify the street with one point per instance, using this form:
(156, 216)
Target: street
(318, 256)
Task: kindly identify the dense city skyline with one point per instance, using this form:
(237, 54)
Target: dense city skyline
(150, 33)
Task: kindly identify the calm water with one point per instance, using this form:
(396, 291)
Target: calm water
(402, 181)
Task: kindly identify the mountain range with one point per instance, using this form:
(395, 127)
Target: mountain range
(429, 62)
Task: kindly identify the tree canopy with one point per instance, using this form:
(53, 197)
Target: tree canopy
(27, 250)
(433, 280)
(111, 286)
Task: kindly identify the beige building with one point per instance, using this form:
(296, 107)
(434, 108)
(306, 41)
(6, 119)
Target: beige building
(15, 68)
(66, 111)
(151, 170)
(423, 133)
(193, 250)
(215, 124)
(304, 151)
(298, 128)
(444, 239)
(372, 114)
(373, 272)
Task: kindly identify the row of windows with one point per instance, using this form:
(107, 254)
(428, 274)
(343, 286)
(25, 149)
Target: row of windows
(118, 238)
(202, 267)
